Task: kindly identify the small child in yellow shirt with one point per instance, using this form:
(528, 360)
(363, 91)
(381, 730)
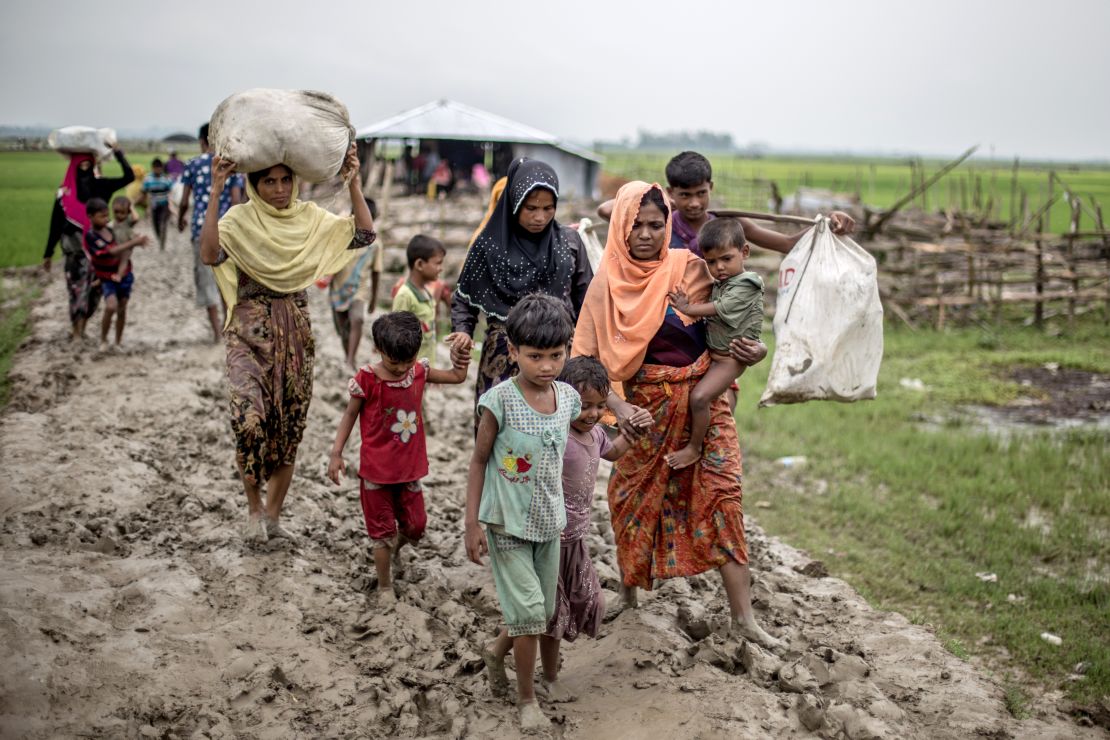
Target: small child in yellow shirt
(425, 257)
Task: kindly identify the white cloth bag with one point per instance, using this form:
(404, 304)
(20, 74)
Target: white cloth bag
(83, 140)
(828, 322)
(307, 131)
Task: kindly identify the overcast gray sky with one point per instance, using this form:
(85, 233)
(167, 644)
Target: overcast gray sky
(1028, 78)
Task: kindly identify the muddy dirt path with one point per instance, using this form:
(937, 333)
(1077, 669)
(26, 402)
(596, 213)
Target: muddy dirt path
(129, 607)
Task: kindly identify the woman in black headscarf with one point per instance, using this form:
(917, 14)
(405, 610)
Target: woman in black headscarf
(521, 250)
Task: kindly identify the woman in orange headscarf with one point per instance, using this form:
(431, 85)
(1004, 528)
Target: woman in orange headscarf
(666, 523)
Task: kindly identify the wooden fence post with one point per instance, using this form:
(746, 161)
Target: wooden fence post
(1106, 251)
(1073, 230)
(1038, 307)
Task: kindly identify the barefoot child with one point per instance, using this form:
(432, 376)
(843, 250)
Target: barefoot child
(734, 311)
(579, 605)
(386, 400)
(514, 485)
(123, 223)
(425, 257)
(111, 264)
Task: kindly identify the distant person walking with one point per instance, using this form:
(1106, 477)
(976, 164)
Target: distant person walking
(197, 179)
(68, 224)
(175, 168)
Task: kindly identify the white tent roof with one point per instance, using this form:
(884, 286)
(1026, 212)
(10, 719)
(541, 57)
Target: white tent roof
(447, 119)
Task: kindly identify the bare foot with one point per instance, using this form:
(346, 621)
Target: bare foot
(556, 691)
(398, 564)
(752, 631)
(532, 718)
(684, 458)
(495, 669)
(255, 529)
(629, 597)
(386, 597)
(274, 530)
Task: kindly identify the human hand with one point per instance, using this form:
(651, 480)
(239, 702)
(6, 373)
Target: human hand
(336, 467)
(221, 170)
(144, 240)
(747, 351)
(461, 346)
(117, 277)
(181, 220)
(841, 223)
(350, 164)
(679, 299)
(632, 420)
(475, 541)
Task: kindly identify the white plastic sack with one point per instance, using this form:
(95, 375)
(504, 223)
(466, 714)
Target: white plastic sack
(305, 130)
(828, 322)
(594, 247)
(83, 140)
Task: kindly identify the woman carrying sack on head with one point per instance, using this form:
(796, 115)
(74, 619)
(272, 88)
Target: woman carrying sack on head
(266, 252)
(521, 250)
(68, 224)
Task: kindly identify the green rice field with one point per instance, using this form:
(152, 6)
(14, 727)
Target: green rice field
(881, 182)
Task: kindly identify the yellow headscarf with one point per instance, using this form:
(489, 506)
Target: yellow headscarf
(285, 250)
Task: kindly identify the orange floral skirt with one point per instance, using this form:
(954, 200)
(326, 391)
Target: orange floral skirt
(666, 522)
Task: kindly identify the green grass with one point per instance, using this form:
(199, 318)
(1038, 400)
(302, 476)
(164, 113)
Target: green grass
(28, 184)
(908, 514)
(15, 308)
(880, 182)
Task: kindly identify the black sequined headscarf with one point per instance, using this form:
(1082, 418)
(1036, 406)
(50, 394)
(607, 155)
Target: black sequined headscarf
(507, 262)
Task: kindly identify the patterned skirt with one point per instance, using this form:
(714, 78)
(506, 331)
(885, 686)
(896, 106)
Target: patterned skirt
(579, 604)
(270, 356)
(494, 366)
(671, 523)
(81, 285)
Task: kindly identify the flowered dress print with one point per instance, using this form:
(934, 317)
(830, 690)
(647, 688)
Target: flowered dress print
(392, 425)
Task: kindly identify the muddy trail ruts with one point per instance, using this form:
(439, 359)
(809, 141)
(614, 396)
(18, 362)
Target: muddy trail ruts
(131, 607)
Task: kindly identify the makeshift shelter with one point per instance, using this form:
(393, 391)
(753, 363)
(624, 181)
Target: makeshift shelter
(465, 136)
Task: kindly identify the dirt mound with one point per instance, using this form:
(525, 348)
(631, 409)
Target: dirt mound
(131, 608)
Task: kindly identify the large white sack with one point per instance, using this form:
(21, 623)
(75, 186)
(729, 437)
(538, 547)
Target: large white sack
(307, 131)
(83, 140)
(828, 322)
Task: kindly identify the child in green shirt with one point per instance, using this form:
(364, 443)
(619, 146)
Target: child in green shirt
(515, 487)
(425, 257)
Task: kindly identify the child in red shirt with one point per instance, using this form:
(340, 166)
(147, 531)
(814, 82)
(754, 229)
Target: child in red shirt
(387, 401)
(111, 262)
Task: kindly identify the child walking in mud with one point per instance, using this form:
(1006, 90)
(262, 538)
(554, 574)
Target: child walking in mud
(514, 484)
(734, 311)
(110, 255)
(579, 604)
(387, 401)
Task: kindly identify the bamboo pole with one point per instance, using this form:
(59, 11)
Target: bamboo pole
(776, 217)
(1038, 284)
(1106, 251)
(878, 225)
(1013, 196)
(1073, 229)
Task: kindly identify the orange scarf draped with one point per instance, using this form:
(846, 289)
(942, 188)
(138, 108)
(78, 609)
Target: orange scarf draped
(627, 300)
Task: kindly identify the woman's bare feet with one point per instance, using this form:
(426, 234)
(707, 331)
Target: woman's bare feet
(532, 718)
(683, 458)
(495, 669)
(629, 597)
(255, 529)
(556, 691)
(750, 630)
(274, 530)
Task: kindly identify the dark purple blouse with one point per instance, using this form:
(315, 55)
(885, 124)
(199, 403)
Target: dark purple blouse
(676, 344)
